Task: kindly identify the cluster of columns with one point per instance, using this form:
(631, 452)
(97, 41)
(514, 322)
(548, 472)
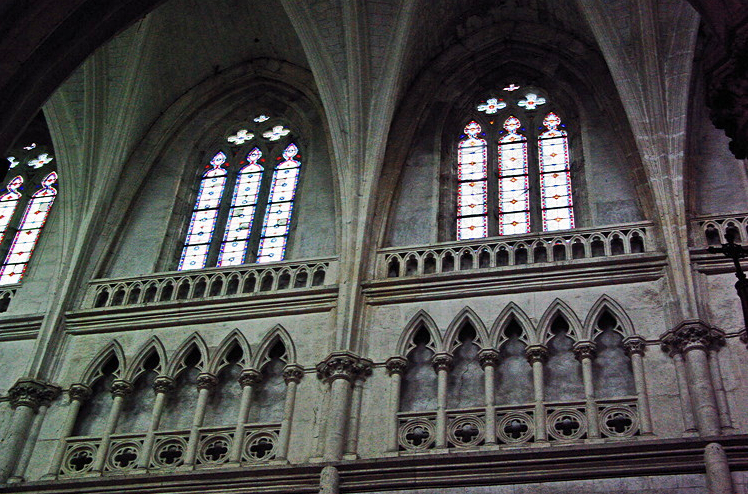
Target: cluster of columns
(344, 373)
(537, 356)
(163, 386)
(693, 346)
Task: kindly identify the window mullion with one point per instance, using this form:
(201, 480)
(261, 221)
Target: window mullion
(222, 217)
(253, 243)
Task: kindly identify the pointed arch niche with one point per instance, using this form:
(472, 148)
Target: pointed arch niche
(509, 140)
(226, 187)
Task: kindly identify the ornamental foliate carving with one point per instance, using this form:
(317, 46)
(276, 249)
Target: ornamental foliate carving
(442, 361)
(339, 365)
(363, 368)
(163, 384)
(691, 335)
(488, 357)
(207, 381)
(79, 392)
(28, 393)
(121, 388)
(396, 365)
(634, 345)
(584, 350)
(293, 373)
(536, 353)
(250, 377)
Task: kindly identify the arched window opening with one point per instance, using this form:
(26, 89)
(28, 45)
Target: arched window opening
(419, 381)
(136, 410)
(563, 373)
(180, 406)
(9, 203)
(555, 177)
(514, 204)
(472, 197)
(226, 396)
(611, 369)
(29, 229)
(93, 415)
(465, 381)
(513, 375)
(268, 398)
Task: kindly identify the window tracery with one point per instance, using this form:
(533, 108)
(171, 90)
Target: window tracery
(261, 195)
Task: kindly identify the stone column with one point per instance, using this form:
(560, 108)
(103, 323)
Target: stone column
(585, 351)
(692, 339)
(442, 363)
(120, 390)
(363, 370)
(78, 393)
(489, 360)
(339, 369)
(46, 399)
(27, 396)
(718, 476)
(292, 374)
(329, 480)
(725, 419)
(162, 386)
(206, 382)
(634, 347)
(537, 355)
(248, 379)
(396, 367)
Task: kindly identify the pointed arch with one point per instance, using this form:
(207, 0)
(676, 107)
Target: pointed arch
(93, 371)
(513, 312)
(466, 315)
(177, 361)
(420, 320)
(275, 335)
(152, 346)
(559, 307)
(234, 339)
(604, 303)
(472, 188)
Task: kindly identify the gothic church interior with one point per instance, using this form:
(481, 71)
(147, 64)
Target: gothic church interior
(382, 246)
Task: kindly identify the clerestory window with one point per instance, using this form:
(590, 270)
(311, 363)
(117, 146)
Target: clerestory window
(245, 196)
(25, 205)
(513, 158)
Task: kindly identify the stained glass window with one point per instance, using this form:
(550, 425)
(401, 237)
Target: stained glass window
(472, 210)
(9, 203)
(28, 232)
(242, 212)
(204, 215)
(280, 206)
(514, 197)
(555, 179)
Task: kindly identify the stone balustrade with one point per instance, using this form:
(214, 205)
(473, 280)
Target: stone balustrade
(514, 250)
(711, 230)
(210, 283)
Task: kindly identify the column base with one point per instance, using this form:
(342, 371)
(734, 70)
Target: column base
(14, 480)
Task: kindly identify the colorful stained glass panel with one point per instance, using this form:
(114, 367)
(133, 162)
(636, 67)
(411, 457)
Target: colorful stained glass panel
(472, 195)
(514, 195)
(9, 203)
(555, 178)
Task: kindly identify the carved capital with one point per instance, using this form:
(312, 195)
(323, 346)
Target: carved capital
(634, 345)
(250, 377)
(691, 335)
(584, 350)
(442, 361)
(163, 384)
(397, 365)
(79, 392)
(488, 356)
(339, 365)
(31, 393)
(293, 373)
(536, 353)
(363, 368)
(121, 388)
(206, 380)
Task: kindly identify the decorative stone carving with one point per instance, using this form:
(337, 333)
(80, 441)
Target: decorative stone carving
(536, 353)
(207, 381)
(585, 350)
(121, 388)
(250, 377)
(31, 393)
(488, 356)
(397, 365)
(442, 361)
(363, 368)
(293, 373)
(634, 345)
(163, 384)
(691, 335)
(79, 392)
(339, 365)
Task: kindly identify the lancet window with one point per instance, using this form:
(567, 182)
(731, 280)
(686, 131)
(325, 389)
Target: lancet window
(513, 159)
(245, 197)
